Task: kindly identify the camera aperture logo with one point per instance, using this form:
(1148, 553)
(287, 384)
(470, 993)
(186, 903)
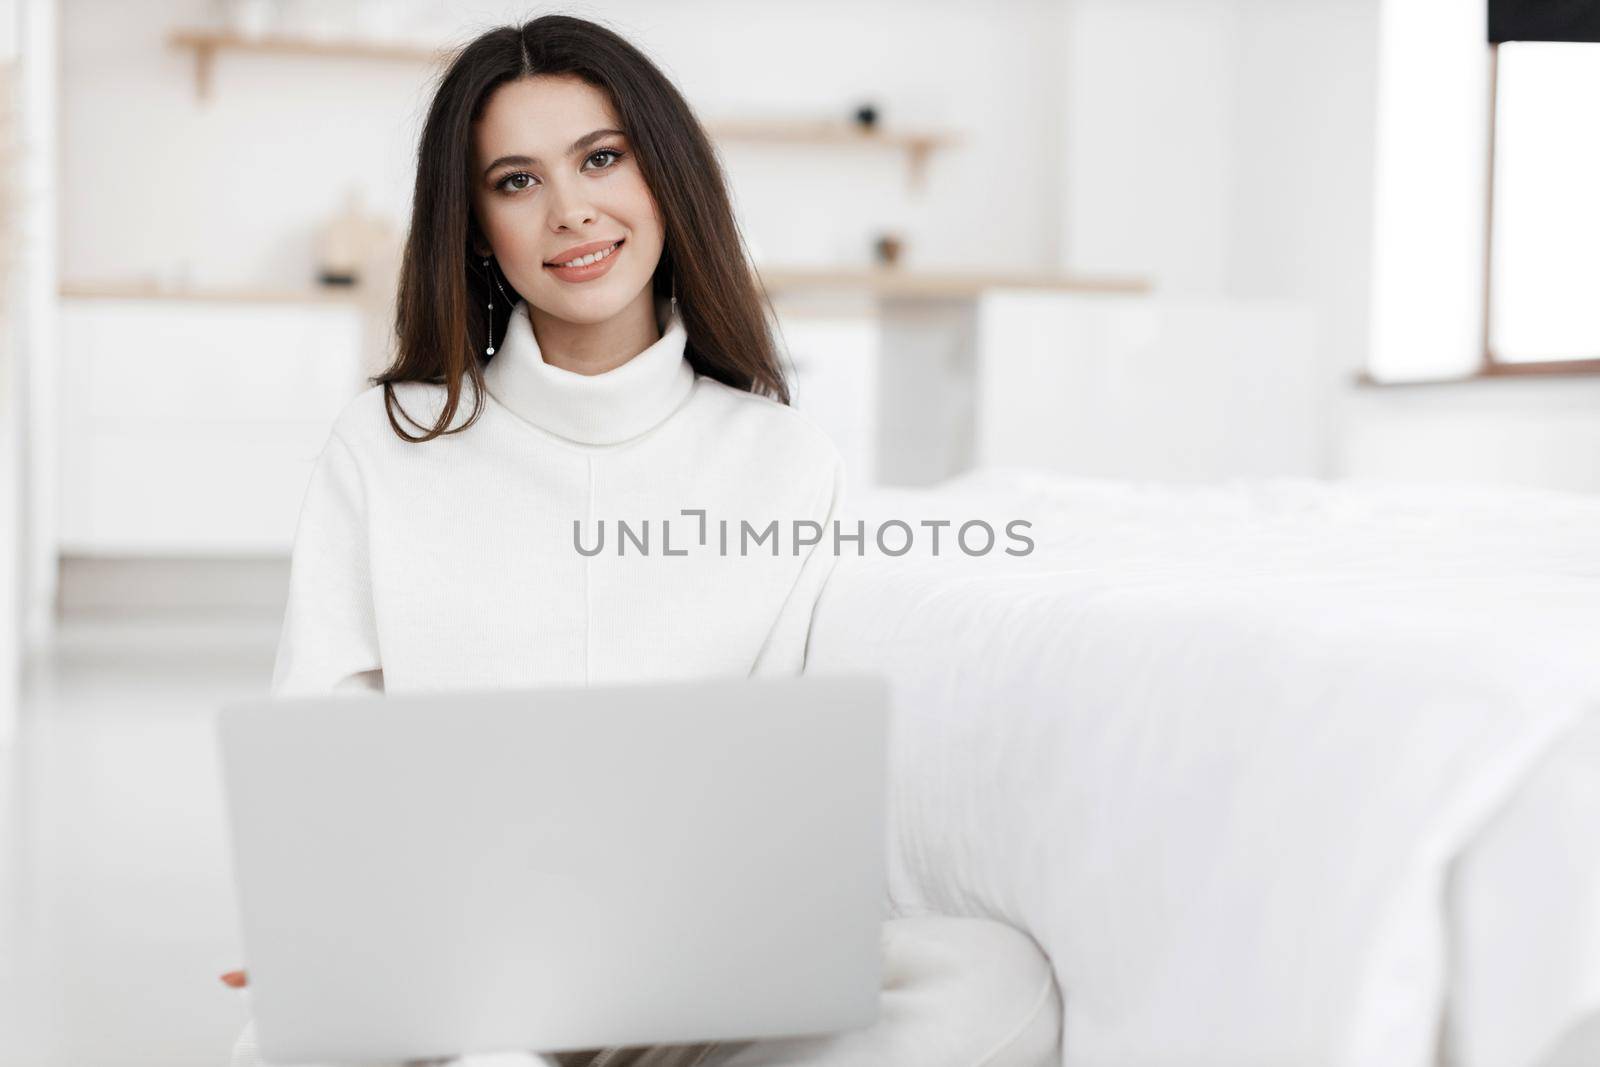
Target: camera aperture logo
(695, 532)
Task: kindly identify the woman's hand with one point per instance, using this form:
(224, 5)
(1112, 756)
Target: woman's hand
(236, 979)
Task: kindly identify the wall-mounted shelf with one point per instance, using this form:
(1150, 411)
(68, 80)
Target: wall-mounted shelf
(207, 43)
(918, 145)
(936, 284)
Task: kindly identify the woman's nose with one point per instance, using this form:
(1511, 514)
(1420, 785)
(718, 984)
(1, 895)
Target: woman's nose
(569, 207)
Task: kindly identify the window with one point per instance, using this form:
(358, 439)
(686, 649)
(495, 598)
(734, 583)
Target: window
(1543, 271)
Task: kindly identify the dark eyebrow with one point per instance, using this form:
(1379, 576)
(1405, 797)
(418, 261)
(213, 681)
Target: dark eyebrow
(577, 146)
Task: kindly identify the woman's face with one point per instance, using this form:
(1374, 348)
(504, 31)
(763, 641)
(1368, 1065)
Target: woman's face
(551, 173)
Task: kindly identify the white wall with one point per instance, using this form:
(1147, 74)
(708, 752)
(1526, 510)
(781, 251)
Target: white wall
(1149, 134)
(1331, 153)
(1175, 389)
(1526, 432)
(1302, 183)
(1224, 148)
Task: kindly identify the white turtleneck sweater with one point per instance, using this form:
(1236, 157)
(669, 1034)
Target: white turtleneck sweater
(452, 564)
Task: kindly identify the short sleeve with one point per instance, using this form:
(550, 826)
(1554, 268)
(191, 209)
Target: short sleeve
(784, 652)
(329, 640)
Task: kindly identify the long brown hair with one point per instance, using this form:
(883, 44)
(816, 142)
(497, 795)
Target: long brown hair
(442, 305)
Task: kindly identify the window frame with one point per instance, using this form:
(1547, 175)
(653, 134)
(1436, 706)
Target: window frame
(1491, 366)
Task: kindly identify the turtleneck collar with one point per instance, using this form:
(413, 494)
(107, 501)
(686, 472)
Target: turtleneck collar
(595, 409)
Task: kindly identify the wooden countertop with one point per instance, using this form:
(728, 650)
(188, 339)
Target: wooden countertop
(221, 294)
(934, 283)
(882, 282)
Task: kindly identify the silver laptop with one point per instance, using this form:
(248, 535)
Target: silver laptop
(551, 869)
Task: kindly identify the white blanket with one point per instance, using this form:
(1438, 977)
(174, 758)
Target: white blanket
(1215, 747)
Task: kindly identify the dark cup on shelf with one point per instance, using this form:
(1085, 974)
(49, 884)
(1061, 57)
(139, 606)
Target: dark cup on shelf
(887, 248)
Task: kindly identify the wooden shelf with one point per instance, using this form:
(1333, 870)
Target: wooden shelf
(149, 291)
(918, 145)
(207, 43)
(937, 284)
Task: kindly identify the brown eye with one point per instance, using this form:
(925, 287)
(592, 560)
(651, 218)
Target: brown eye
(505, 182)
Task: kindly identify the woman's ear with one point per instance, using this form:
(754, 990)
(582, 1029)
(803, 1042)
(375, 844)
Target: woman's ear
(476, 243)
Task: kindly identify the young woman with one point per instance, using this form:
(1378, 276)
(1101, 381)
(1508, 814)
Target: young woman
(581, 344)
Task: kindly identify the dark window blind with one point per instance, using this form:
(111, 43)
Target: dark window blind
(1544, 20)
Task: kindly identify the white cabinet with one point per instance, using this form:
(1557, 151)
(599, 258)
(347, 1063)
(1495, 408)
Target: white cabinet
(834, 357)
(189, 427)
(1166, 389)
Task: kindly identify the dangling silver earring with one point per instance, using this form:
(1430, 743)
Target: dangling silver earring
(510, 304)
(489, 349)
(674, 294)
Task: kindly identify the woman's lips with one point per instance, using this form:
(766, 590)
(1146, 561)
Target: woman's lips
(592, 271)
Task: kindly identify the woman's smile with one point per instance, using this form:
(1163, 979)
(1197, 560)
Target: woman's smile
(585, 268)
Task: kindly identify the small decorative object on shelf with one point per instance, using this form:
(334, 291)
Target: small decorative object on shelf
(887, 248)
(867, 116)
(349, 243)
